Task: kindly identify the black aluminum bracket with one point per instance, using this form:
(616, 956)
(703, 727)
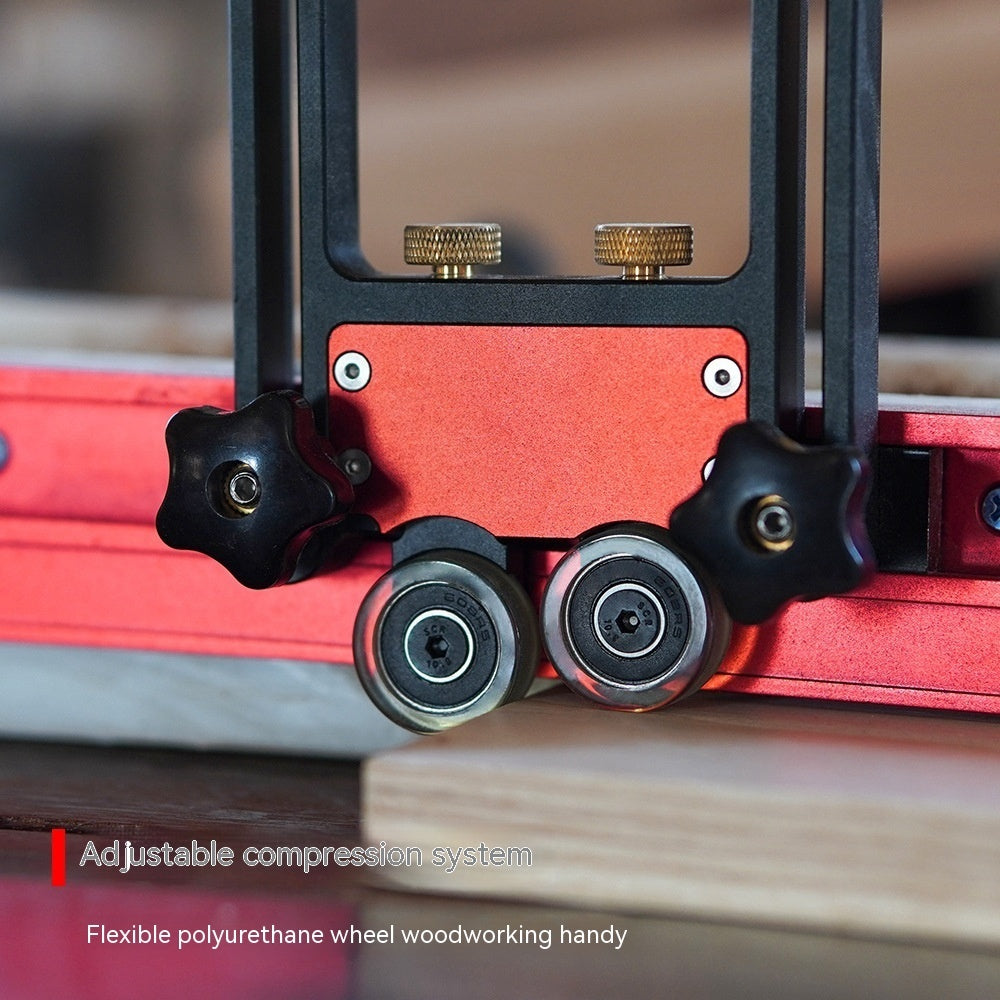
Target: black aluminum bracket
(263, 262)
(764, 299)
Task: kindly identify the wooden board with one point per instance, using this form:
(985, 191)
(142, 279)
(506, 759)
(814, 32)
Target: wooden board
(156, 795)
(849, 820)
(79, 693)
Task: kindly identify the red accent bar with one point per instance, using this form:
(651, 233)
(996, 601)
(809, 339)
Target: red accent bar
(58, 857)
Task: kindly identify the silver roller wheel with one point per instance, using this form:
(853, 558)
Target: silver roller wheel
(629, 622)
(443, 638)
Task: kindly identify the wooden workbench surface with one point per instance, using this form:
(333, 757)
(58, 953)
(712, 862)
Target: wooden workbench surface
(149, 796)
(842, 818)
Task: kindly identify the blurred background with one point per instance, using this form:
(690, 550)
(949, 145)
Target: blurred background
(547, 117)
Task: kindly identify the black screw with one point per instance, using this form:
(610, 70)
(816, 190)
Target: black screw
(356, 465)
(628, 622)
(990, 508)
(437, 647)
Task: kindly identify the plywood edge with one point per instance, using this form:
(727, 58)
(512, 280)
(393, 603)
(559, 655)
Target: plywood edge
(690, 841)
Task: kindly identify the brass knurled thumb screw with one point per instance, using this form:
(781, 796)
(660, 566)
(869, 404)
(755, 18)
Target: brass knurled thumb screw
(451, 249)
(644, 250)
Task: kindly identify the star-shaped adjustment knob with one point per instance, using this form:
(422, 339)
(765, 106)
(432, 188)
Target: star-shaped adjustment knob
(776, 521)
(250, 487)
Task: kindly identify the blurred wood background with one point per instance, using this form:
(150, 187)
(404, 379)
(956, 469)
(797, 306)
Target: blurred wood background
(547, 117)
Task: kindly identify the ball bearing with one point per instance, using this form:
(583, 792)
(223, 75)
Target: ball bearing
(443, 638)
(629, 622)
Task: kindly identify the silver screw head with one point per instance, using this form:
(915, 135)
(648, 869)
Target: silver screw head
(244, 488)
(989, 509)
(772, 523)
(352, 371)
(722, 377)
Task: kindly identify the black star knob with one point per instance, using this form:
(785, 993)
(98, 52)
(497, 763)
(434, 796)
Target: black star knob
(250, 487)
(776, 521)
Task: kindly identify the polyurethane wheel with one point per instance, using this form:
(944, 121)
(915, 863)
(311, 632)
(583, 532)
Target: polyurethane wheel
(443, 638)
(630, 622)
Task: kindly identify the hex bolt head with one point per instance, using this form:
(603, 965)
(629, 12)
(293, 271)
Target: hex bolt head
(628, 622)
(629, 619)
(428, 654)
(437, 647)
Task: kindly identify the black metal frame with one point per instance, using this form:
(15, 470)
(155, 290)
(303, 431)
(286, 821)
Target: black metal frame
(764, 299)
(262, 187)
(850, 221)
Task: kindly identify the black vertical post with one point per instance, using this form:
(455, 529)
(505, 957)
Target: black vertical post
(331, 260)
(262, 251)
(850, 222)
(777, 203)
(340, 121)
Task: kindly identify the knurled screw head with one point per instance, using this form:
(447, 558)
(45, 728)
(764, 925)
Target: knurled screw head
(644, 250)
(451, 249)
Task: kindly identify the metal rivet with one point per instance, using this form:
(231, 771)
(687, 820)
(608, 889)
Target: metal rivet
(722, 377)
(352, 371)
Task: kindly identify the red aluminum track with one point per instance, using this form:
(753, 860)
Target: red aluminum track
(80, 562)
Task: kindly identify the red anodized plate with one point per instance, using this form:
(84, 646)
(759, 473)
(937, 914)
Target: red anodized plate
(533, 432)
